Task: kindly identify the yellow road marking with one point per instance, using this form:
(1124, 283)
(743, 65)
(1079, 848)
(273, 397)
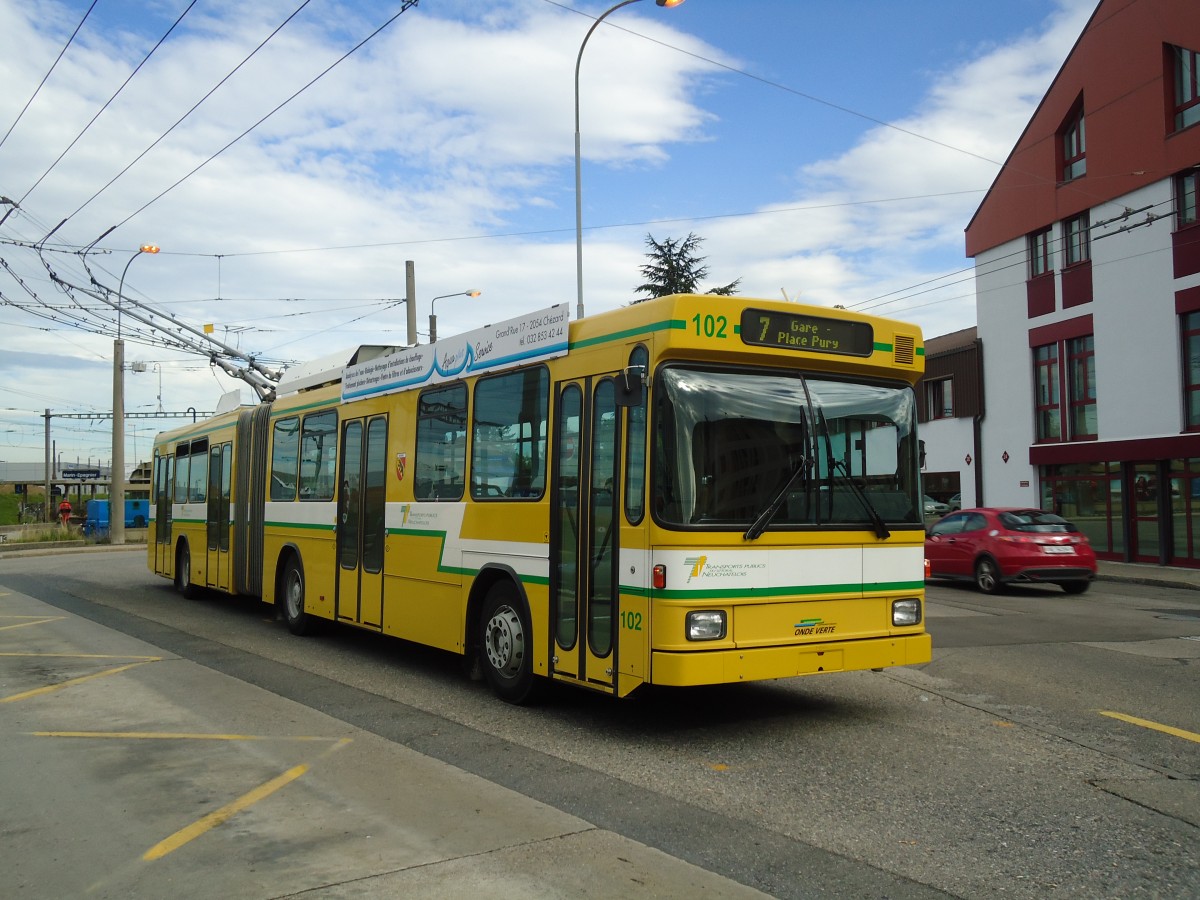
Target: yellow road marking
(215, 818)
(37, 620)
(175, 736)
(83, 656)
(50, 688)
(1156, 726)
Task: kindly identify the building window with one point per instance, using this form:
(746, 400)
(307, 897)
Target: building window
(1073, 145)
(1049, 415)
(1039, 253)
(939, 398)
(1190, 327)
(1081, 363)
(1187, 87)
(1185, 197)
(1075, 239)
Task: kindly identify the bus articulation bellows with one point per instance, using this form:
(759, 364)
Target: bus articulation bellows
(689, 490)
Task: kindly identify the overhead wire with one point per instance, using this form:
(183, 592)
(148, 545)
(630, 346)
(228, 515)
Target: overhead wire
(705, 59)
(194, 107)
(107, 103)
(405, 6)
(49, 71)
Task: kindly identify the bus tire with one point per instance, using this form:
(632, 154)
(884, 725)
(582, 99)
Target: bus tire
(506, 644)
(183, 573)
(298, 621)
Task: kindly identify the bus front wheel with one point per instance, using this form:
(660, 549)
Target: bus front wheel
(506, 644)
(298, 621)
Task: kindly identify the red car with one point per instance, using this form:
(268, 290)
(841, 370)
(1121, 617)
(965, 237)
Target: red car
(995, 547)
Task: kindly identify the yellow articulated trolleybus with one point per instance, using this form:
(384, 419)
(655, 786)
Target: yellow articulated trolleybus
(689, 490)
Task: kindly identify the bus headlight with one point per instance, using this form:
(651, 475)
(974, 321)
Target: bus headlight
(906, 612)
(706, 625)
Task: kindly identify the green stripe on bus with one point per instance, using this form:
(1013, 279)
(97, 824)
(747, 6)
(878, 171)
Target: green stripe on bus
(668, 325)
(307, 526)
(316, 404)
(784, 591)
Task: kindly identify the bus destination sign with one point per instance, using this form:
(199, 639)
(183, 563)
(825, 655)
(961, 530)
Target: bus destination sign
(798, 331)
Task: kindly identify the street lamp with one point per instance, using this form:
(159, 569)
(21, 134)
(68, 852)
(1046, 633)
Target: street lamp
(433, 318)
(116, 494)
(578, 189)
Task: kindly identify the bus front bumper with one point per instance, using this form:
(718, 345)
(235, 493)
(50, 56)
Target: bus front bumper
(730, 666)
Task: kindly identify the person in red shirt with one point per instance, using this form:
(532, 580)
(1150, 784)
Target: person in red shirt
(64, 511)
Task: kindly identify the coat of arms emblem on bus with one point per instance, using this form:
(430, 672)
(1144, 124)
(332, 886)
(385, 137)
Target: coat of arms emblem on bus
(401, 463)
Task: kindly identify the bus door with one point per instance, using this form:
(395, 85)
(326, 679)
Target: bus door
(164, 484)
(360, 521)
(584, 532)
(220, 474)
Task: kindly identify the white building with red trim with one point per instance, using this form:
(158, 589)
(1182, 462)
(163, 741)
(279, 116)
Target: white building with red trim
(1087, 271)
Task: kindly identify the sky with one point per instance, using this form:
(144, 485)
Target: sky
(830, 153)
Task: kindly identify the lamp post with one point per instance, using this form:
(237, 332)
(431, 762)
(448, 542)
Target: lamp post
(116, 494)
(433, 318)
(578, 188)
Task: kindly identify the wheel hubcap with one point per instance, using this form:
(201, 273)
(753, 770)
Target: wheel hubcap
(987, 578)
(295, 596)
(504, 642)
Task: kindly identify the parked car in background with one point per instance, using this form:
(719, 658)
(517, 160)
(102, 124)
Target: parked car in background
(935, 507)
(995, 547)
(955, 502)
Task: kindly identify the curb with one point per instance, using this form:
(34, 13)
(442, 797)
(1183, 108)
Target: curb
(1149, 581)
(51, 548)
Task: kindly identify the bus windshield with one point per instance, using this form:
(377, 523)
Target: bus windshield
(758, 450)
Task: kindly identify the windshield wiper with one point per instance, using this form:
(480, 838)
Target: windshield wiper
(881, 530)
(764, 517)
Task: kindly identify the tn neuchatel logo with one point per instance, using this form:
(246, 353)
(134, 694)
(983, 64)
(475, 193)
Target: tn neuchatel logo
(697, 563)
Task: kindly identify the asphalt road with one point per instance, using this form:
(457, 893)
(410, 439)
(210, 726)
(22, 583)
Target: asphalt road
(1049, 750)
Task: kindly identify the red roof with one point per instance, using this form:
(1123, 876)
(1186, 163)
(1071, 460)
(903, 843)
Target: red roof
(1118, 66)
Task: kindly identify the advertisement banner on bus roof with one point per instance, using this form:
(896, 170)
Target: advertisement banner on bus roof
(535, 336)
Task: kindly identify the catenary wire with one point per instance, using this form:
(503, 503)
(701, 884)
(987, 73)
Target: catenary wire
(49, 71)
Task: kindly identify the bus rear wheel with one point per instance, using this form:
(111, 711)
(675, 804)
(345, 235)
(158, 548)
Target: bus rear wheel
(298, 621)
(183, 573)
(506, 644)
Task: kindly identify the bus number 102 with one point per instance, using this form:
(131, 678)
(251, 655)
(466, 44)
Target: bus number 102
(710, 326)
(631, 621)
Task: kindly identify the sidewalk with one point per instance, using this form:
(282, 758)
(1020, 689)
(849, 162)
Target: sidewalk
(1146, 573)
(377, 820)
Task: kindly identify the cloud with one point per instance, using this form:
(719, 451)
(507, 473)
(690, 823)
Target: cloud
(447, 140)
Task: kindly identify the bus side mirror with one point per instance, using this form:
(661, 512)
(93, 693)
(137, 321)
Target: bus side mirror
(631, 386)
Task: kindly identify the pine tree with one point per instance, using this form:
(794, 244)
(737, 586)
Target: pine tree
(674, 268)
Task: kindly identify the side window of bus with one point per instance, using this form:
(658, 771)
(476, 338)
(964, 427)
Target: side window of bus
(180, 485)
(198, 472)
(441, 443)
(285, 458)
(635, 445)
(508, 437)
(318, 456)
